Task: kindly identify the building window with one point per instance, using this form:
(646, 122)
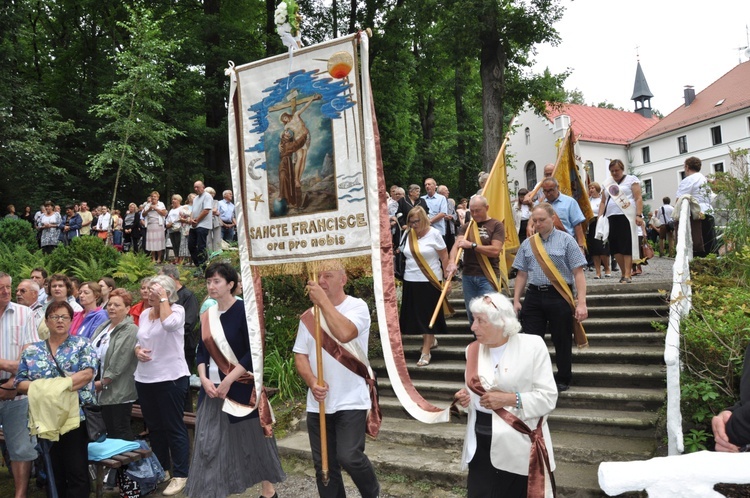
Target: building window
(682, 144)
(562, 122)
(589, 167)
(682, 174)
(528, 136)
(646, 155)
(647, 190)
(719, 168)
(530, 175)
(716, 135)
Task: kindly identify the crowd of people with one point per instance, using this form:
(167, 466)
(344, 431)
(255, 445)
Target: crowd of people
(66, 344)
(95, 344)
(190, 229)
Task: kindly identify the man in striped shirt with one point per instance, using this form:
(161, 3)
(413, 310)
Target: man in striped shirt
(16, 329)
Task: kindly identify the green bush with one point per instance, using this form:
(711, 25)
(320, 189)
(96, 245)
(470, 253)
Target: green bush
(17, 261)
(81, 251)
(18, 233)
(714, 337)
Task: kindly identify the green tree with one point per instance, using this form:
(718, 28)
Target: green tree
(134, 107)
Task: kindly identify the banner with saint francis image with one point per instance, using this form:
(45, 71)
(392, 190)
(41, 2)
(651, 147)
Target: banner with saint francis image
(309, 185)
(296, 134)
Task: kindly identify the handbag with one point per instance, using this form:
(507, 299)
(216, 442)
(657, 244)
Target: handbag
(602, 228)
(670, 223)
(399, 259)
(95, 426)
(648, 251)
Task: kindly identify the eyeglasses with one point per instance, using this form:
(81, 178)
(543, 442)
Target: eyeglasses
(413, 222)
(488, 300)
(59, 318)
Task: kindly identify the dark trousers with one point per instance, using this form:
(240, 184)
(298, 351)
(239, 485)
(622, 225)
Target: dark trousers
(345, 432)
(449, 240)
(541, 308)
(162, 404)
(175, 237)
(484, 480)
(708, 231)
(70, 463)
(197, 246)
(117, 420)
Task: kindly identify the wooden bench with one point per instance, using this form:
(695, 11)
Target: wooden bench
(187, 417)
(114, 462)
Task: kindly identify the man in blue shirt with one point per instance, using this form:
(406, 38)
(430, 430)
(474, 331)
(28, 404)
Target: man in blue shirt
(226, 213)
(544, 308)
(437, 205)
(566, 208)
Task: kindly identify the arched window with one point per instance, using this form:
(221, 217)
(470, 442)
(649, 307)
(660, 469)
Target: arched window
(528, 135)
(530, 175)
(590, 170)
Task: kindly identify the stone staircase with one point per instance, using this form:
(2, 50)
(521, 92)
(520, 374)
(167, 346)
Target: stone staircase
(609, 413)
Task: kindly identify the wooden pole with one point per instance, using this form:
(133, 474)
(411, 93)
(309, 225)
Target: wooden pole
(321, 382)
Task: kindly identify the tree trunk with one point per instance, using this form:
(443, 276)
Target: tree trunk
(335, 17)
(216, 157)
(270, 26)
(353, 17)
(461, 76)
(427, 120)
(492, 73)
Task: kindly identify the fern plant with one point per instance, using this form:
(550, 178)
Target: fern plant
(133, 267)
(89, 271)
(17, 261)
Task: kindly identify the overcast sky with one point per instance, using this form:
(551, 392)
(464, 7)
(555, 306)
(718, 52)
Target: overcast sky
(680, 43)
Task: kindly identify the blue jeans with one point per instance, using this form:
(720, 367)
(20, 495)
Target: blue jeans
(197, 246)
(475, 286)
(227, 234)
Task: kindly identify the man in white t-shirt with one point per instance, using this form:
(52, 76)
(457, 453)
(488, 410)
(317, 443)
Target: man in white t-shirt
(346, 394)
(201, 223)
(696, 185)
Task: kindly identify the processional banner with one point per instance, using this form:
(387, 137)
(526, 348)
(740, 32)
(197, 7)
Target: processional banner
(308, 182)
(297, 131)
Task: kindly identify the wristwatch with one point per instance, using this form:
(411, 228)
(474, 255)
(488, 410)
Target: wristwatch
(162, 299)
(473, 245)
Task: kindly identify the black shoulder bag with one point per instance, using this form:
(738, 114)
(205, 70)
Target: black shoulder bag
(95, 426)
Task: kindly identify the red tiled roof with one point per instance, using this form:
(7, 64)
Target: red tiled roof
(733, 88)
(596, 124)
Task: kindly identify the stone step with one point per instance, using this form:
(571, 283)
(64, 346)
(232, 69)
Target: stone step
(638, 354)
(652, 338)
(625, 398)
(458, 325)
(442, 466)
(584, 374)
(583, 420)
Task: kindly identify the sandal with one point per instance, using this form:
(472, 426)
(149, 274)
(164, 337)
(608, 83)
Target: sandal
(607, 275)
(624, 280)
(434, 343)
(424, 360)
(597, 277)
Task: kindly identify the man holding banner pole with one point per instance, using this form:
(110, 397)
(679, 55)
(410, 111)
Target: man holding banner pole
(347, 391)
(481, 241)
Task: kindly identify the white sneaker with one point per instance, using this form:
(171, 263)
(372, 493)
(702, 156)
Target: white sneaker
(165, 478)
(176, 485)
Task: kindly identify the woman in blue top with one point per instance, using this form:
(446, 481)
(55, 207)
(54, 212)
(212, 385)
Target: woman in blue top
(231, 452)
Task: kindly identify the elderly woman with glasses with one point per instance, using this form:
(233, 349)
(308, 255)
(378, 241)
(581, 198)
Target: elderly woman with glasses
(510, 391)
(161, 378)
(426, 256)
